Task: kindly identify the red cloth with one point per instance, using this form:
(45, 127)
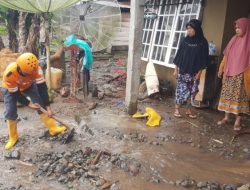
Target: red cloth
(237, 51)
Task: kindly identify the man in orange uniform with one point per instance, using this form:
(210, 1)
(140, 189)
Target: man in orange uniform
(21, 79)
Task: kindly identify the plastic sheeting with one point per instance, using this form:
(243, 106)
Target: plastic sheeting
(151, 79)
(36, 6)
(88, 59)
(97, 21)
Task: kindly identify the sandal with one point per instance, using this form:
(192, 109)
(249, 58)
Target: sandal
(222, 122)
(177, 114)
(237, 127)
(191, 115)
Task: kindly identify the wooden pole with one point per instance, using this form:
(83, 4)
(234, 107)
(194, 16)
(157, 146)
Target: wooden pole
(48, 71)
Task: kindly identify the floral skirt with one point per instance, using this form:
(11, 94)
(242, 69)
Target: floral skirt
(186, 88)
(233, 97)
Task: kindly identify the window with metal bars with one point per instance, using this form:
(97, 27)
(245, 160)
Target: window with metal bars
(164, 27)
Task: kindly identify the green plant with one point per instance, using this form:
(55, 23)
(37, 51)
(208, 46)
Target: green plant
(142, 78)
(3, 16)
(3, 30)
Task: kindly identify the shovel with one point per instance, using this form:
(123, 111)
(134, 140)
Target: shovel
(71, 130)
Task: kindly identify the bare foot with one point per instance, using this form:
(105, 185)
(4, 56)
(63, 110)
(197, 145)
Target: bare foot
(237, 127)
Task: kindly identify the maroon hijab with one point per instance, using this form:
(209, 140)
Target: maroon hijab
(237, 51)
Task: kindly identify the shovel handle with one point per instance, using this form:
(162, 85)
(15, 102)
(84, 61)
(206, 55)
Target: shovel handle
(56, 118)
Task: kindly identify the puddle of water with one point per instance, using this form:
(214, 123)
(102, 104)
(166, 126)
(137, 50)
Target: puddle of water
(173, 161)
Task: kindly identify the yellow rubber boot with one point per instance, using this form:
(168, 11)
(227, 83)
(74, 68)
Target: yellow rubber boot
(13, 136)
(50, 123)
(154, 118)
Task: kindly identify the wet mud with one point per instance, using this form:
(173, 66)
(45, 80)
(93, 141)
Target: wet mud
(111, 150)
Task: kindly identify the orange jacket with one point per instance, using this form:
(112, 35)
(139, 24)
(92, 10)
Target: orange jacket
(13, 81)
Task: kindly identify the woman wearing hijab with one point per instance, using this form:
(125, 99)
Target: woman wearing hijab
(235, 68)
(190, 60)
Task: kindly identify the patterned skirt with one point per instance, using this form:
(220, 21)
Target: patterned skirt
(233, 97)
(186, 88)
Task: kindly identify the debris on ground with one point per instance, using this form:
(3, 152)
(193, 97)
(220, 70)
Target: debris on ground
(127, 164)
(92, 105)
(15, 154)
(68, 166)
(244, 187)
(65, 91)
(206, 185)
(64, 138)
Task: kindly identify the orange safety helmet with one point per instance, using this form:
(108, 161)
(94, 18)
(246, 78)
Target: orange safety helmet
(27, 62)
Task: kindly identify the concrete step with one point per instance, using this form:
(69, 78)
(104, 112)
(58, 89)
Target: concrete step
(121, 38)
(125, 24)
(115, 43)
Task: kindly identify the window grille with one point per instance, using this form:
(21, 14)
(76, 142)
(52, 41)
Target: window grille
(164, 27)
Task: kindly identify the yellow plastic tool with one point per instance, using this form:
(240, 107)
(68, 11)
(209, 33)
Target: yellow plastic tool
(153, 117)
(139, 115)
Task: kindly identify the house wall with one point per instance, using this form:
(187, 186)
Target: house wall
(218, 18)
(213, 21)
(235, 10)
(121, 40)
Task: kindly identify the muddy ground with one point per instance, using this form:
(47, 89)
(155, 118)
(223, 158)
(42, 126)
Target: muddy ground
(114, 151)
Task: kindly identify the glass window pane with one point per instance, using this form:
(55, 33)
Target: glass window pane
(160, 22)
(172, 9)
(176, 39)
(145, 23)
(170, 21)
(172, 56)
(151, 23)
(164, 23)
(163, 54)
(162, 38)
(193, 17)
(167, 9)
(195, 8)
(144, 36)
(154, 53)
(183, 35)
(146, 51)
(164, 7)
(149, 36)
(143, 53)
(179, 23)
(183, 8)
(166, 39)
(158, 53)
(186, 20)
(188, 8)
(157, 37)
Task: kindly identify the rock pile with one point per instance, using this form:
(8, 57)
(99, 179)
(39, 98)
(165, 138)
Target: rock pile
(69, 166)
